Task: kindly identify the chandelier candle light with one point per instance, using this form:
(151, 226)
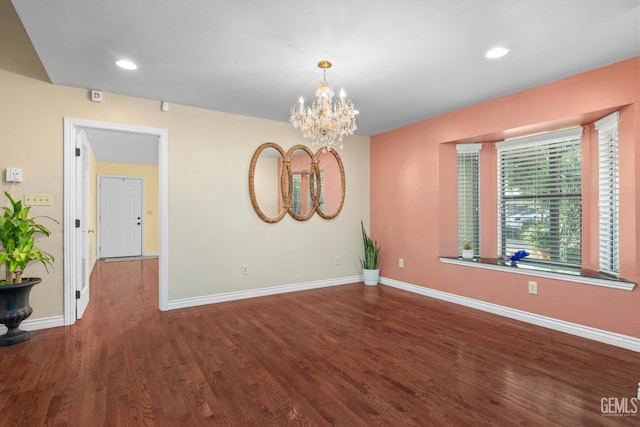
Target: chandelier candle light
(325, 124)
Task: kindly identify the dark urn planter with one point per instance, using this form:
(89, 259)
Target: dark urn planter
(14, 308)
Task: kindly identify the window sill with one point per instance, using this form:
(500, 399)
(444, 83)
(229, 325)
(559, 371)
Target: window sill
(587, 277)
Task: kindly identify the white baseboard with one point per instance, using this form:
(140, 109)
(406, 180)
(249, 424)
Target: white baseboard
(613, 338)
(253, 293)
(151, 254)
(35, 324)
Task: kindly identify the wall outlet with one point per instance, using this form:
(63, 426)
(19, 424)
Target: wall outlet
(338, 260)
(533, 288)
(245, 269)
(401, 262)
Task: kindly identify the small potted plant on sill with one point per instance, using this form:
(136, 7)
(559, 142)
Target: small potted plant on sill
(467, 250)
(370, 269)
(17, 239)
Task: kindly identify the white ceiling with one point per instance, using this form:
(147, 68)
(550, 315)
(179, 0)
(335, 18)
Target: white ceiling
(400, 61)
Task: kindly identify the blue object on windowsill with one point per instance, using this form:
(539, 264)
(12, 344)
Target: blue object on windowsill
(518, 255)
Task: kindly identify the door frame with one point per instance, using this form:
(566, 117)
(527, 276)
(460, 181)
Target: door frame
(99, 212)
(72, 127)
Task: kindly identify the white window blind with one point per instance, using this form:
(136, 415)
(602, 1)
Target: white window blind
(469, 196)
(540, 196)
(607, 128)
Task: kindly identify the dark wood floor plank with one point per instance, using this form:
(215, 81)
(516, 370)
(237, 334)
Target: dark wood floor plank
(350, 355)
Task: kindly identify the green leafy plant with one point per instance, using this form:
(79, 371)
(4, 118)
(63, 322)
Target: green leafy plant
(371, 251)
(467, 245)
(17, 231)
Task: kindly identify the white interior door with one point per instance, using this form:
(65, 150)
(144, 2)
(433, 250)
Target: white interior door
(82, 235)
(120, 217)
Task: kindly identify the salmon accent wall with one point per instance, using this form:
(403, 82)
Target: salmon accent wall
(414, 199)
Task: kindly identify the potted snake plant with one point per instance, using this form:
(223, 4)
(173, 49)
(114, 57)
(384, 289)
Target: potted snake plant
(17, 237)
(370, 268)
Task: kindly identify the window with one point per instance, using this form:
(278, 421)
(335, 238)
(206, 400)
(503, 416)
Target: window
(469, 196)
(607, 128)
(540, 196)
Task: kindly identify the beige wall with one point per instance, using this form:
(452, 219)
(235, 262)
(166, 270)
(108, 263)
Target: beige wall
(213, 230)
(149, 173)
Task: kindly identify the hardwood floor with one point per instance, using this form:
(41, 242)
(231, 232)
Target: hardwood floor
(348, 355)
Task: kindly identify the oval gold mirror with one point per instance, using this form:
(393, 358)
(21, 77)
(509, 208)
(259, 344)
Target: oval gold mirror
(331, 183)
(300, 178)
(265, 182)
(297, 182)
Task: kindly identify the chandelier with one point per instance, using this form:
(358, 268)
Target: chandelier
(326, 124)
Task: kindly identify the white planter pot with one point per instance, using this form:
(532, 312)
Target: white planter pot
(371, 276)
(467, 254)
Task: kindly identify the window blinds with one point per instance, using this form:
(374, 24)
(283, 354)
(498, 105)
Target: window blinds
(608, 208)
(540, 196)
(469, 196)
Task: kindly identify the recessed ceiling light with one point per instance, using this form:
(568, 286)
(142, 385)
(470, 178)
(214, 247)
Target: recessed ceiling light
(126, 64)
(497, 52)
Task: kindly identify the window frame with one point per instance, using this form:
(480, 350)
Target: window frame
(608, 194)
(469, 187)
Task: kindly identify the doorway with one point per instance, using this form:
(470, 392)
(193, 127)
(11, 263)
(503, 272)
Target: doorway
(75, 252)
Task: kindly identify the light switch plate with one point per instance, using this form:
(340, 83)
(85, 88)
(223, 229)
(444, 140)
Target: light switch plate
(37, 199)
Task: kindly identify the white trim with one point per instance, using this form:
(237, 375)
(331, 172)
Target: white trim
(261, 292)
(35, 324)
(614, 284)
(163, 220)
(71, 127)
(541, 138)
(468, 148)
(612, 338)
(70, 250)
(150, 254)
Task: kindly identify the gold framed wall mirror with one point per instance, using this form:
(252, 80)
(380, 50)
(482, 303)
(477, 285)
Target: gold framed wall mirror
(297, 182)
(330, 176)
(265, 182)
